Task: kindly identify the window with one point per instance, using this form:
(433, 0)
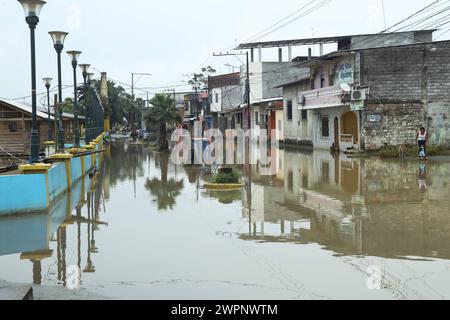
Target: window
(325, 127)
(322, 80)
(256, 118)
(217, 98)
(304, 114)
(289, 110)
(12, 126)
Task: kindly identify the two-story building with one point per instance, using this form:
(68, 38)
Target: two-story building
(224, 98)
(371, 93)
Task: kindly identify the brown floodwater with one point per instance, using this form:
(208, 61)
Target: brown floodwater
(147, 229)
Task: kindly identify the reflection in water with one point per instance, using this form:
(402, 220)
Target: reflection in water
(165, 191)
(314, 215)
(354, 206)
(32, 235)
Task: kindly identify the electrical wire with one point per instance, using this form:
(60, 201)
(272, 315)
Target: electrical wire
(280, 21)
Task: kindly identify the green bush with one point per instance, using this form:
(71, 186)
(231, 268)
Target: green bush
(412, 151)
(232, 177)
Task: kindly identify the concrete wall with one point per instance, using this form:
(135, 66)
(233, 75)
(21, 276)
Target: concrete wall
(279, 118)
(76, 171)
(57, 180)
(297, 130)
(31, 193)
(216, 100)
(23, 192)
(315, 126)
(231, 97)
(265, 77)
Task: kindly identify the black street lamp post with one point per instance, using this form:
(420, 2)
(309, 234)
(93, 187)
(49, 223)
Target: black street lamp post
(75, 55)
(48, 82)
(32, 9)
(84, 71)
(58, 38)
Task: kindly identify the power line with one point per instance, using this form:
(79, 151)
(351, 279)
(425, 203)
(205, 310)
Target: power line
(411, 16)
(313, 9)
(280, 21)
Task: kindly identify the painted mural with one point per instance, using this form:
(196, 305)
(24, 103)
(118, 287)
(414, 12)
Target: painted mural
(344, 72)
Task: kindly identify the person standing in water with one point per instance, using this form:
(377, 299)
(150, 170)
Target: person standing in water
(422, 141)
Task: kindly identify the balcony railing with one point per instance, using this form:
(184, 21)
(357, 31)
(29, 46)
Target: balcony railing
(322, 98)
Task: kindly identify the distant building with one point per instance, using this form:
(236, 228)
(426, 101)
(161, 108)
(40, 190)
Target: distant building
(224, 97)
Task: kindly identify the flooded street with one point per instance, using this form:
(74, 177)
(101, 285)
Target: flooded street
(146, 229)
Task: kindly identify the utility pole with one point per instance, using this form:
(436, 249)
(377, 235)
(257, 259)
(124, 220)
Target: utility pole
(247, 82)
(196, 95)
(132, 95)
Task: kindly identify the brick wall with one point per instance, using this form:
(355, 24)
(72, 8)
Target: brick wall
(391, 124)
(413, 73)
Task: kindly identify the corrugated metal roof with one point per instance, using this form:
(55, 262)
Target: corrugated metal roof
(25, 108)
(312, 41)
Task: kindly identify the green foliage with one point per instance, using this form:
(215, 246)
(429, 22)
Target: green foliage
(164, 190)
(232, 177)
(199, 81)
(162, 113)
(118, 105)
(412, 151)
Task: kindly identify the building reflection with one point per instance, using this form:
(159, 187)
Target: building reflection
(35, 236)
(351, 206)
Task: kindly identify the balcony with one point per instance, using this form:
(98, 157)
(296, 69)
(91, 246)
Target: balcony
(327, 97)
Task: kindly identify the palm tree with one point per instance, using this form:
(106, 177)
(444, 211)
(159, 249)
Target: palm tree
(162, 113)
(165, 190)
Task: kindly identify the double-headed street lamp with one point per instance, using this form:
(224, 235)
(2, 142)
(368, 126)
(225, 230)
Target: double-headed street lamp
(75, 55)
(48, 83)
(58, 38)
(32, 10)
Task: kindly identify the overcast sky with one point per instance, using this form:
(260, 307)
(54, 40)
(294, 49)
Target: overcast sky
(168, 38)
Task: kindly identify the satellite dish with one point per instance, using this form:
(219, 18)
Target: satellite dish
(345, 87)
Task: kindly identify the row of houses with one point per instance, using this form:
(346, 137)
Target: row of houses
(375, 90)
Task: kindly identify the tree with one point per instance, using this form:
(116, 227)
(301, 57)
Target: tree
(114, 105)
(67, 106)
(199, 81)
(166, 191)
(162, 113)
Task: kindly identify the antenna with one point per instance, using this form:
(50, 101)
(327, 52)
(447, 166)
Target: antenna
(384, 13)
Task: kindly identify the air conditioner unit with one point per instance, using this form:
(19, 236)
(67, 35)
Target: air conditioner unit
(359, 95)
(301, 99)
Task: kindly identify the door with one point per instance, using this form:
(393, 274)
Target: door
(336, 132)
(350, 126)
